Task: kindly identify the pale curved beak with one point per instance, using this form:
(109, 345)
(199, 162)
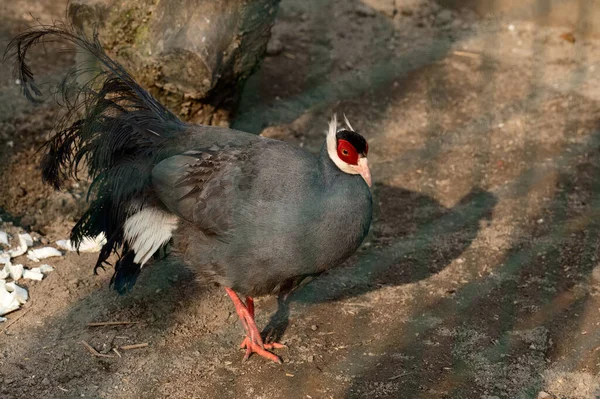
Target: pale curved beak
(363, 169)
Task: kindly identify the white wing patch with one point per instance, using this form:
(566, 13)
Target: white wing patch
(147, 230)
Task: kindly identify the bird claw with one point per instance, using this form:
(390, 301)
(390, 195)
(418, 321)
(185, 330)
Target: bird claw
(253, 343)
(260, 349)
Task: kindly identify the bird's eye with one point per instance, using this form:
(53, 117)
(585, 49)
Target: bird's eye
(345, 151)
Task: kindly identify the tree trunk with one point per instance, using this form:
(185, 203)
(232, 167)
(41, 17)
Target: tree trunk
(194, 55)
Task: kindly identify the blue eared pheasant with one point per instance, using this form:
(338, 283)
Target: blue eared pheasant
(253, 214)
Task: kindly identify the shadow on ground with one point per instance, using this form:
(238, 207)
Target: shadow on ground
(496, 334)
(415, 236)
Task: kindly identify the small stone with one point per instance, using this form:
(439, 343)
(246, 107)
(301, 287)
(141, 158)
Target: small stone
(543, 395)
(310, 358)
(274, 47)
(364, 11)
(457, 23)
(444, 17)
(314, 327)
(105, 349)
(45, 381)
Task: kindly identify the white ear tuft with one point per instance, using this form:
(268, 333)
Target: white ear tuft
(332, 126)
(348, 125)
(331, 140)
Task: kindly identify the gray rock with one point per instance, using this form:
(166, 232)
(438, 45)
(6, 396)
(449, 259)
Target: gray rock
(274, 47)
(363, 10)
(444, 17)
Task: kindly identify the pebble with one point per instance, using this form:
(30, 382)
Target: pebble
(543, 395)
(444, 17)
(364, 11)
(314, 327)
(274, 47)
(45, 381)
(457, 23)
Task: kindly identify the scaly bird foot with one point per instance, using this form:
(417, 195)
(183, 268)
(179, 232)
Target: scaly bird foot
(260, 349)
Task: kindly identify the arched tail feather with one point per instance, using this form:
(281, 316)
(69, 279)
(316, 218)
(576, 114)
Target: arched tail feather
(112, 128)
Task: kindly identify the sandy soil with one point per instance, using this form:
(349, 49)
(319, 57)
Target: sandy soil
(480, 277)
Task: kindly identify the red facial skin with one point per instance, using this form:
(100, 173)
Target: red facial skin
(347, 152)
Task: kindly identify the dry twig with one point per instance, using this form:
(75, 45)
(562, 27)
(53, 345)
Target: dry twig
(93, 351)
(17, 318)
(466, 54)
(111, 323)
(398, 376)
(134, 346)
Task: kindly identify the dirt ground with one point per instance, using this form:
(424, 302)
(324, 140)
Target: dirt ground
(480, 277)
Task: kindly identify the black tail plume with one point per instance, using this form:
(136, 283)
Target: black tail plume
(111, 126)
(126, 271)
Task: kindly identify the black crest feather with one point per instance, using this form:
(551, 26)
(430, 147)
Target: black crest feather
(111, 127)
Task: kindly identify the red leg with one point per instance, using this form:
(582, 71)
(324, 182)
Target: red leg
(250, 305)
(253, 342)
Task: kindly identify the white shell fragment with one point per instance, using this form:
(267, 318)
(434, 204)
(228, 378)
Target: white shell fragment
(19, 293)
(3, 238)
(43, 253)
(8, 303)
(12, 296)
(33, 275)
(14, 271)
(4, 258)
(88, 244)
(24, 240)
(45, 269)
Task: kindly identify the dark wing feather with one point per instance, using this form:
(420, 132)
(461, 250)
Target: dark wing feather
(111, 126)
(203, 187)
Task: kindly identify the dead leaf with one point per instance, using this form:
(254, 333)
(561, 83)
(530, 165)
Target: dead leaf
(568, 37)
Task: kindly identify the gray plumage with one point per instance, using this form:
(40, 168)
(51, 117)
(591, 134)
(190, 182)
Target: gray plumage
(259, 213)
(248, 212)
